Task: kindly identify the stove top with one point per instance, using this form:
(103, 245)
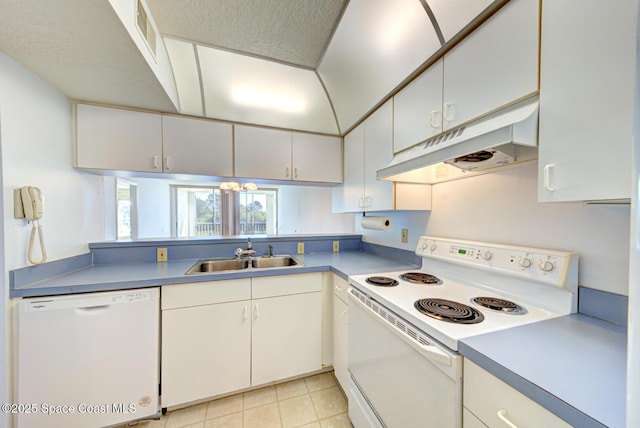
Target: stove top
(465, 276)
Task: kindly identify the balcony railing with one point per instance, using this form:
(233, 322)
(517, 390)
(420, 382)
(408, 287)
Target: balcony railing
(215, 229)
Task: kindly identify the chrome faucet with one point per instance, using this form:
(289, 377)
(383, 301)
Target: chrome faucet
(270, 250)
(239, 252)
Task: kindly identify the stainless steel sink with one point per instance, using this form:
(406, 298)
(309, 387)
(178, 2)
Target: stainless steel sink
(217, 265)
(274, 261)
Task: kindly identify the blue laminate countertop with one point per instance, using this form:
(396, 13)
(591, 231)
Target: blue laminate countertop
(574, 366)
(138, 275)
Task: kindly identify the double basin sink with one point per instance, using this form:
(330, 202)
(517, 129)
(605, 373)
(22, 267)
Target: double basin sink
(220, 265)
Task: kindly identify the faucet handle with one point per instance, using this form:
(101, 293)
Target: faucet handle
(249, 244)
(238, 252)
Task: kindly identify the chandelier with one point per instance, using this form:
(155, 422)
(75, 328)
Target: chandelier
(236, 187)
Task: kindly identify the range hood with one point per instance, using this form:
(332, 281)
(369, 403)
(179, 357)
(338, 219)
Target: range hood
(503, 138)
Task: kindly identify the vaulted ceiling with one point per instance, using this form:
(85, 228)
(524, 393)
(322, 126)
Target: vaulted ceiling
(314, 65)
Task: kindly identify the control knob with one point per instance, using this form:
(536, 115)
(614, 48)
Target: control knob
(525, 262)
(488, 255)
(433, 246)
(547, 266)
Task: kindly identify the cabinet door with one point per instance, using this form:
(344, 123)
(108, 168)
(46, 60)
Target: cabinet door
(378, 152)
(340, 341)
(195, 146)
(353, 186)
(262, 153)
(493, 401)
(417, 109)
(586, 101)
(287, 337)
(206, 351)
(317, 158)
(494, 66)
(115, 139)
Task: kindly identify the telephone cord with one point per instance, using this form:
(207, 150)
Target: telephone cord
(31, 242)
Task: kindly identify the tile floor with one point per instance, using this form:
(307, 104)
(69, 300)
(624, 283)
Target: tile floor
(315, 401)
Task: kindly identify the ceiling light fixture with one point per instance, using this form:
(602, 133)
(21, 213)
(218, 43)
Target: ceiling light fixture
(236, 187)
(261, 98)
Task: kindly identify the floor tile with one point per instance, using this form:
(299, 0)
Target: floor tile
(297, 411)
(225, 406)
(228, 421)
(267, 416)
(188, 416)
(291, 389)
(329, 402)
(320, 381)
(338, 421)
(259, 397)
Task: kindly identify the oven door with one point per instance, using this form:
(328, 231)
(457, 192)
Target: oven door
(400, 381)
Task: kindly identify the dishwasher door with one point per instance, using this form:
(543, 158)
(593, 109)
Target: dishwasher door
(87, 360)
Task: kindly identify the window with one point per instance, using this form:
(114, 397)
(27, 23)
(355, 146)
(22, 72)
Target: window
(126, 209)
(211, 211)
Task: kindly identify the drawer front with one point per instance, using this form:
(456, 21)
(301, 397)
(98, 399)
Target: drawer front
(494, 402)
(282, 285)
(340, 288)
(205, 293)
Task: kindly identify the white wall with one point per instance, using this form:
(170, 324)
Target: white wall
(303, 209)
(502, 207)
(36, 140)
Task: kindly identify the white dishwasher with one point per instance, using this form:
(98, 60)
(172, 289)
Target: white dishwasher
(87, 360)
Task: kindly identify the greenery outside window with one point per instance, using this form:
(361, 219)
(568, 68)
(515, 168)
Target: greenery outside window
(200, 211)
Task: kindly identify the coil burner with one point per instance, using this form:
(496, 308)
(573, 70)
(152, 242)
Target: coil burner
(381, 281)
(420, 278)
(500, 305)
(449, 311)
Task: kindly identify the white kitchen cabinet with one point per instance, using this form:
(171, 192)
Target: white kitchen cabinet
(368, 148)
(417, 109)
(495, 403)
(117, 139)
(317, 158)
(340, 331)
(206, 340)
(285, 155)
(494, 66)
(586, 100)
(287, 326)
(262, 153)
(196, 146)
(223, 336)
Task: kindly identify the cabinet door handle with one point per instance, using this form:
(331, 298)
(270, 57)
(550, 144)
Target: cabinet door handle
(295, 172)
(256, 313)
(337, 287)
(286, 172)
(502, 415)
(367, 201)
(345, 317)
(154, 162)
(167, 162)
(449, 113)
(361, 202)
(546, 177)
(436, 116)
(245, 313)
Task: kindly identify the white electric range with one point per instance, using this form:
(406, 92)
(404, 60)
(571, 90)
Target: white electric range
(407, 324)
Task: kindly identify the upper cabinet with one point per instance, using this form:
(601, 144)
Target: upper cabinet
(115, 139)
(368, 148)
(195, 146)
(586, 100)
(494, 66)
(127, 140)
(285, 155)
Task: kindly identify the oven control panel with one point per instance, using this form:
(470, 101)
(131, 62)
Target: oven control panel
(549, 266)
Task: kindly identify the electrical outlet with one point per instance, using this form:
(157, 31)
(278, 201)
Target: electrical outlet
(404, 237)
(162, 255)
(336, 246)
(300, 247)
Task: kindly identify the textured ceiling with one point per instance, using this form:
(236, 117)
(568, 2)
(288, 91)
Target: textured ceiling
(292, 32)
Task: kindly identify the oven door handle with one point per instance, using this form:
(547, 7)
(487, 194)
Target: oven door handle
(431, 352)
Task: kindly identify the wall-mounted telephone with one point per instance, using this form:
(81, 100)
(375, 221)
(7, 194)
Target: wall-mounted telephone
(29, 204)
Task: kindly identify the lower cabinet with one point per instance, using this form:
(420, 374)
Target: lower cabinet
(223, 336)
(340, 331)
(490, 402)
